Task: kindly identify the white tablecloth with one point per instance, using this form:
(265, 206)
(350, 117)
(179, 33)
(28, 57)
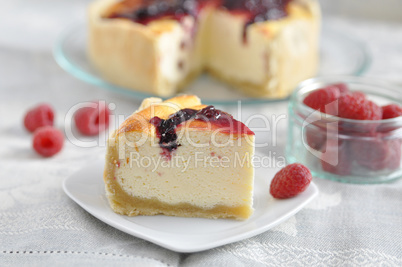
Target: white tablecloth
(39, 225)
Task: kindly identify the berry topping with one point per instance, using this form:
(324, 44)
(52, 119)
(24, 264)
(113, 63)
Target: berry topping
(290, 181)
(211, 114)
(48, 141)
(166, 129)
(92, 120)
(39, 116)
(355, 106)
(391, 111)
(257, 10)
(148, 11)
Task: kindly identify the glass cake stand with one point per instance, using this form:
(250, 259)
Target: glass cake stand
(339, 55)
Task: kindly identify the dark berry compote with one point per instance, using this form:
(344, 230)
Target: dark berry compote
(166, 129)
(145, 11)
(257, 10)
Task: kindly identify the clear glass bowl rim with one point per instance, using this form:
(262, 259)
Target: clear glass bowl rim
(296, 104)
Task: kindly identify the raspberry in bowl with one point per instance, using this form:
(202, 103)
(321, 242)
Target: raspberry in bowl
(347, 129)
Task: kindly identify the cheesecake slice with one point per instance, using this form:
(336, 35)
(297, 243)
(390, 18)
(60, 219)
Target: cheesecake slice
(180, 158)
(261, 47)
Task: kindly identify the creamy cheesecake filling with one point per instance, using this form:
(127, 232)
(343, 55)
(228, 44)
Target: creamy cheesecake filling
(256, 11)
(261, 61)
(175, 50)
(144, 173)
(231, 56)
(176, 44)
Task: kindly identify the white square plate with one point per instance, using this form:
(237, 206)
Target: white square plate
(86, 187)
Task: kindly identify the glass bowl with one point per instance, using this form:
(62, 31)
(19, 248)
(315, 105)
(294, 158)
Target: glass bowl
(345, 150)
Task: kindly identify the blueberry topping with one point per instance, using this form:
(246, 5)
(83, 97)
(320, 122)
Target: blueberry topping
(166, 129)
(157, 9)
(256, 10)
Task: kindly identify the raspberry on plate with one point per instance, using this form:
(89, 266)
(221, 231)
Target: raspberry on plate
(290, 181)
(391, 111)
(48, 141)
(92, 120)
(41, 115)
(355, 106)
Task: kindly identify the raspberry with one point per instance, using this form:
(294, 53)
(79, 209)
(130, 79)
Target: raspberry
(359, 95)
(377, 154)
(318, 99)
(92, 120)
(315, 138)
(336, 158)
(290, 181)
(391, 111)
(394, 155)
(48, 141)
(343, 88)
(41, 115)
(355, 106)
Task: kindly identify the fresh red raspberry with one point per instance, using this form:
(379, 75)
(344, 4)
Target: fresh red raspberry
(318, 99)
(315, 137)
(92, 120)
(391, 111)
(376, 153)
(359, 95)
(343, 88)
(41, 115)
(336, 157)
(48, 141)
(395, 155)
(290, 181)
(355, 106)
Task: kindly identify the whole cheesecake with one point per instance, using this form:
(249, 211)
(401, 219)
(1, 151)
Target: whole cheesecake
(260, 47)
(180, 158)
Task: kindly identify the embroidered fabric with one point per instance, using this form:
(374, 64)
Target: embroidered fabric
(40, 226)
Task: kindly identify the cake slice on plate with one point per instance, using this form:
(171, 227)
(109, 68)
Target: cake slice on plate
(180, 158)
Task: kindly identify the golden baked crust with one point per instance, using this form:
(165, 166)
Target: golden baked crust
(139, 121)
